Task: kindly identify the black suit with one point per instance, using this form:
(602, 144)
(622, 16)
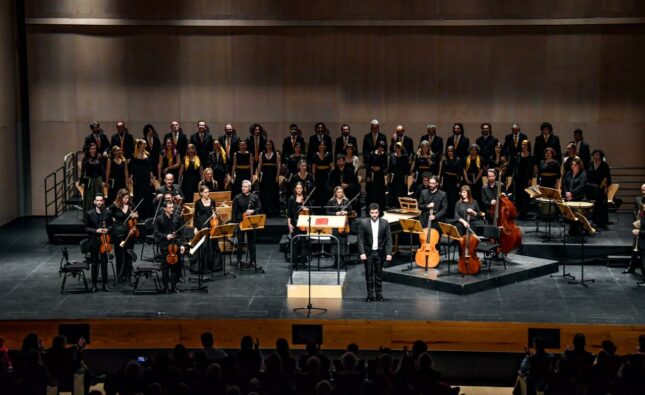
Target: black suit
(510, 151)
(203, 146)
(461, 151)
(103, 144)
(288, 148)
(540, 145)
(128, 143)
(440, 200)
(234, 147)
(369, 145)
(241, 203)
(486, 147)
(314, 142)
(340, 145)
(408, 144)
(489, 193)
(93, 222)
(584, 153)
(436, 146)
(375, 258)
(181, 144)
(154, 148)
(262, 146)
(176, 191)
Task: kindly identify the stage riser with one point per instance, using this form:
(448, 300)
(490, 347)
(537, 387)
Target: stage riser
(337, 334)
(593, 254)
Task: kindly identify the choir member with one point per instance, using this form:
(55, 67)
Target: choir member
(99, 138)
(153, 143)
(497, 160)
(217, 162)
(116, 173)
(230, 142)
(92, 176)
(549, 170)
(399, 169)
(582, 148)
(451, 173)
(321, 137)
(376, 171)
(203, 142)
(169, 159)
(486, 142)
(122, 138)
(371, 141)
(436, 143)
(179, 139)
(344, 140)
(599, 176)
(140, 171)
(351, 160)
(256, 143)
(512, 146)
(546, 140)
(289, 142)
(400, 137)
(268, 172)
(294, 159)
(525, 171)
(422, 163)
(459, 141)
(473, 171)
(321, 167)
(345, 177)
(190, 173)
(242, 165)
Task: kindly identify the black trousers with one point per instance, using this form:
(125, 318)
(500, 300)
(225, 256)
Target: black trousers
(101, 260)
(250, 239)
(374, 273)
(169, 273)
(299, 254)
(635, 261)
(123, 259)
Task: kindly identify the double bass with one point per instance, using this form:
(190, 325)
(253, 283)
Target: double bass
(468, 260)
(427, 255)
(504, 215)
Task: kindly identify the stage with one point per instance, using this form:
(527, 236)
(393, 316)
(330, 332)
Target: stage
(30, 288)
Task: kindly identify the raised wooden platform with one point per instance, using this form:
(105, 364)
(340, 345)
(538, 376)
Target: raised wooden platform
(324, 285)
(368, 334)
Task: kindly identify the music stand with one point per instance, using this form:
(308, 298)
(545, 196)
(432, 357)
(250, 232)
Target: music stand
(253, 223)
(452, 234)
(412, 227)
(195, 246)
(224, 232)
(568, 215)
(554, 196)
(585, 229)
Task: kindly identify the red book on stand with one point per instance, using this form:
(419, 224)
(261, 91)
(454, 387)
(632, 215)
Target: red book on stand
(321, 221)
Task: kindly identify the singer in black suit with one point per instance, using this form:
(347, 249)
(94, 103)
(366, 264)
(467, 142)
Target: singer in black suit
(436, 143)
(203, 142)
(96, 224)
(546, 140)
(374, 247)
(513, 146)
(460, 142)
(371, 141)
(321, 136)
(582, 148)
(231, 144)
(289, 142)
(178, 137)
(99, 138)
(343, 140)
(123, 139)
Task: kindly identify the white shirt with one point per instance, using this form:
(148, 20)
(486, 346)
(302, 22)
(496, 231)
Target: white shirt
(374, 234)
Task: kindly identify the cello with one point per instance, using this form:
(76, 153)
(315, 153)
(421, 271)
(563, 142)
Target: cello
(504, 217)
(427, 255)
(468, 260)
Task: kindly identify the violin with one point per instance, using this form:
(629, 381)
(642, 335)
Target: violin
(131, 221)
(468, 260)
(106, 242)
(173, 248)
(346, 228)
(304, 210)
(427, 255)
(504, 216)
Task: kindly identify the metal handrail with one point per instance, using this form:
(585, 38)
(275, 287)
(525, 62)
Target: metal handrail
(60, 187)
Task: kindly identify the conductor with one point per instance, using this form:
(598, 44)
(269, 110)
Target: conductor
(375, 247)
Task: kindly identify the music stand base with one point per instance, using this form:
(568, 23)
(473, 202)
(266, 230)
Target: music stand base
(309, 308)
(581, 282)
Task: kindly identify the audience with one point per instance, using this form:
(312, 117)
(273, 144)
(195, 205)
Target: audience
(247, 371)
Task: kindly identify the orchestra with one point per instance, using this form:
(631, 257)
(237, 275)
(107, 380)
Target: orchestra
(459, 186)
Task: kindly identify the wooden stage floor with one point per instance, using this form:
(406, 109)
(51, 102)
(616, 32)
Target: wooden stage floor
(491, 320)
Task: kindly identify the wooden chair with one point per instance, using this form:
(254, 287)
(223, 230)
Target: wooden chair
(612, 203)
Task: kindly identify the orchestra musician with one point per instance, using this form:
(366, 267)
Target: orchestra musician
(257, 142)
(639, 215)
(376, 171)
(295, 205)
(179, 139)
(166, 225)
(289, 142)
(208, 181)
(422, 163)
(218, 162)
(399, 169)
(473, 171)
(303, 177)
(123, 139)
(451, 172)
(211, 259)
(116, 173)
(320, 138)
(97, 224)
(486, 142)
(268, 173)
(435, 199)
(169, 186)
(242, 165)
(489, 194)
(344, 140)
(575, 181)
(119, 212)
(400, 137)
(245, 203)
(99, 138)
(190, 172)
(571, 153)
(464, 207)
(546, 140)
(202, 141)
(459, 141)
(375, 248)
(92, 175)
(436, 143)
(371, 142)
(336, 206)
(425, 181)
(169, 159)
(549, 173)
(344, 177)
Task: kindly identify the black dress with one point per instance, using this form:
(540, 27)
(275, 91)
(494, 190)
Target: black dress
(399, 168)
(119, 233)
(450, 178)
(140, 170)
(375, 185)
(422, 164)
(242, 171)
(292, 163)
(323, 168)
(209, 255)
(169, 160)
(117, 179)
(307, 183)
(191, 177)
(472, 170)
(598, 180)
(522, 178)
(293, 212)
(461, 208)
(217, 163)
(269, 191)
(92, 175)
(548, 173)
